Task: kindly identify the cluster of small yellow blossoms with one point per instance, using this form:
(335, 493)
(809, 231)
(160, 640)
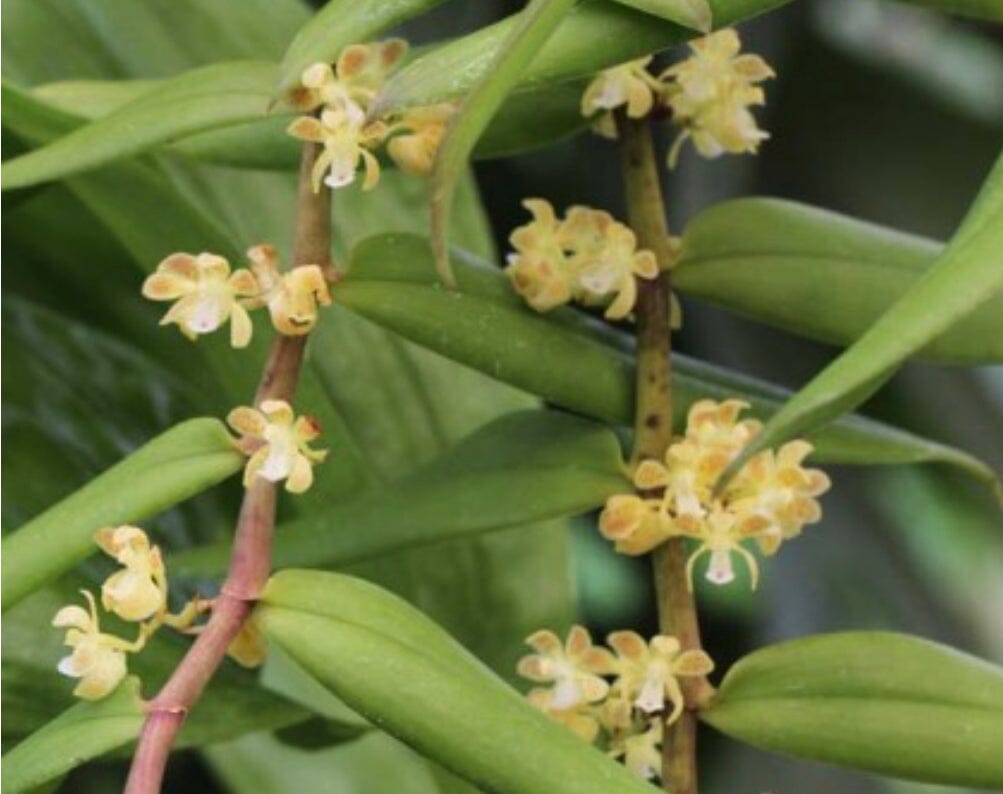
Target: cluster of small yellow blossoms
(588, 256)
(340, 103)
(137, 593)
(206, 294)
(769, 500)
(626, 713)
(278, 443)
(709, 95)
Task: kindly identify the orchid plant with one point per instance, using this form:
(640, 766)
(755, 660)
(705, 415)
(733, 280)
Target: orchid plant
(365, 454)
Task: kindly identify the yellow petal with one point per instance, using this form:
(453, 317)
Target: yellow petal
(247, 421)
(166, 287)
(300, 476)
(241, 327)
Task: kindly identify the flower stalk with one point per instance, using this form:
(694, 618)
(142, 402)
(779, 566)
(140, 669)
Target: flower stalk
(250, 561)
(677, 614)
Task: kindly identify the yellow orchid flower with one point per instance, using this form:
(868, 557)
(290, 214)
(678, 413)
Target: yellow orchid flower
(291, 297)
(98, 660)
(285, 453)
(424, 128)
(346, 137)
(140, 590)
(710, 94)
(206, 295)
(539, 270)
(573, 667)
(648, 672)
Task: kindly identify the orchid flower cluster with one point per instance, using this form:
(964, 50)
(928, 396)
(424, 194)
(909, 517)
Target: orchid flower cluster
(587, 256)
(709, 94)
(137, 593)
(769, 500)
(206, 294)
(625, 714)
(342, 118)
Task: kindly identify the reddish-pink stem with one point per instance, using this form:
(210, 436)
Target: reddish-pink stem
(250, 561)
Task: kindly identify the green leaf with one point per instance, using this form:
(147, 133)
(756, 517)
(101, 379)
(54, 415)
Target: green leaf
(967, 274)
(82, 732)
(594, 35)
(175, 465)
(694, 14)
(879, 701)
(820, 274)
(520, 46)
(524, 468)
(202, 99)
(570, 360)
(374, 764)
(338, 24)
(394, 665)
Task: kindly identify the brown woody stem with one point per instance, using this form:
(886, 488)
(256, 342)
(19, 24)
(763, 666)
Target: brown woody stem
(250, 561)
(677, 614)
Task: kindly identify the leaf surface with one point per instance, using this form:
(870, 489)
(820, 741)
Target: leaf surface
(820, 274)
(888, 703)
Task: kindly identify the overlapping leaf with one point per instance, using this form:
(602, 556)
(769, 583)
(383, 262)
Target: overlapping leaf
(595, 35)
(966, 275)
(394, 665)
(569, 360)
(820, 274)
(523, 468)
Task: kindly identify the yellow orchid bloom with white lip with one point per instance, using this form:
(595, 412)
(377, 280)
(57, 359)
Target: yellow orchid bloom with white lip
(140, 590)
(206, 295)
(293, 297)
(98, 660)
(346, 137)
(573, 667)
(648, 672)
(285, 453)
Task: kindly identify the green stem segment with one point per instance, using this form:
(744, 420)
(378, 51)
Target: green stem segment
(250, 560)
(677, 614)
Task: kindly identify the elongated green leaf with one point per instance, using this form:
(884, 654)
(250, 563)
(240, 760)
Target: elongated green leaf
(533, 27)
(820, 274)
(568, 359)
(184, 460)
(694, 14)
(595, 34)
(967, 274)
(392, 664)
(338, 24)
(82, 732)
(883, 702)
(202, 99)
(523, 468)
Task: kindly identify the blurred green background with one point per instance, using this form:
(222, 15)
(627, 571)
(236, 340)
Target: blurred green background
(882, 111)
